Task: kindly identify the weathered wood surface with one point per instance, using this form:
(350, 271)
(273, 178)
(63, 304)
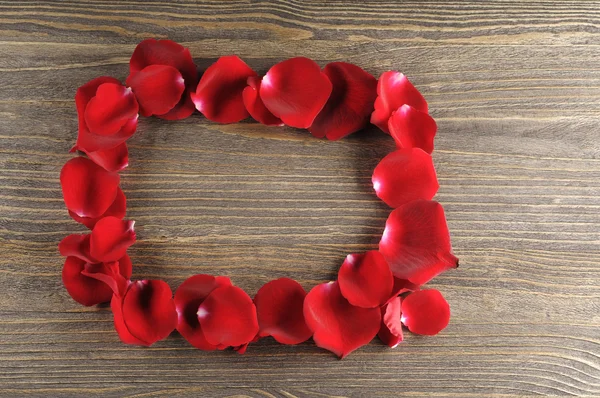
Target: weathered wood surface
(515, 88)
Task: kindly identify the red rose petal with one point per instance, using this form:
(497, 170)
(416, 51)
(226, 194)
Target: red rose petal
(88, 189)
(149, 311)
(110, 238)
(185, 108)
(412, 128)
(405, 175)
(228, 317)
(425, 312)
(366, 279)
(158, 88)
(390, 331)
(295, 91)
(350, 104)
(77, 245)
(117, 209)
(254, 105)
(110, 109)
(394, 90)
(164, 52)
(116, 305)
(188, 297)
(279, 307)
(219, 92)
(83, 289)
(112, 159)
(402, 286)
(114, 274)
(338, 326)
(416, 242)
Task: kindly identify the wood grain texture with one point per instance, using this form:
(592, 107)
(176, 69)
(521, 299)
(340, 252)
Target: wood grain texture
(515, 88)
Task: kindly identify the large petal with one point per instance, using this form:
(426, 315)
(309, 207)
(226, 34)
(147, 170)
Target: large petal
(405, 175)
(228, 317)
(112, 159)
(394, 90)
(110, 109)
(88, 189)
(390, 331)
(188, 297)
(338, 326)
(110, 238)
(366, 279)
(158, 88)
(117, 209)
(425, 312)
(279, 306)
(350, 104)
(416, 242)
(254, 105)
(85, 93)
(295, 91)
(412, 128)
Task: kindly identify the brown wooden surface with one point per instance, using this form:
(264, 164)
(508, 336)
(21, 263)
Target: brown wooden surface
(515, 88)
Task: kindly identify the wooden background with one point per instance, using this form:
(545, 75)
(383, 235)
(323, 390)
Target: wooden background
(515, 88)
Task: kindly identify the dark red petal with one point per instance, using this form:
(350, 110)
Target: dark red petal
(390, 331)
(416, 242)
(77, 245)
(114, 274)
(110, 109)
(394, 90)
(338, 326)
(158, 88)
(228, 317)
(117, 209)
(110, 238)
(88, 189)
(425, 312)
(149, 311)
(89, 142)
(295, 91)
(405, 175)
(412, 128)
(83, 289)
(219, 92)
(402, 286)
(188, 297)
(279, 307)
(116, 305)
(183, 109)
(113, 159)
(254, 105)
(351, 102)
(366, 279)
(164, 52)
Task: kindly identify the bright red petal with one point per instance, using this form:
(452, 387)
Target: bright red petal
(228, 317)
(254, 105)
(338, 326)
(279, 306)
(416, 242)
(295, 91)
(88, 189)
(394, 90)
(158, 88)
(366, 279)
(351, 102)
(425, 312)
(77, 245)
(110, 238)
(110, 109)
(405, 175)
(114, 274)
(117, 209)
(188, 297)
(164, 52)
(88, 142)
(116, 305)
(219, 92)
(390, 331)
(149, 311)
(83, 289)
(113, 159)
(412, 128)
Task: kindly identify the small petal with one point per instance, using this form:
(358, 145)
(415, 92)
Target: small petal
(416, 242)
(219, 92)
(164, 52)
(390, 331)
(425, 312)
(350, 104)
(402, 286)
(114, 274)
(405, 175)
(110, 109)
(412, 128)
(117, 209)
(185, 108)
(254, 105)
(279, 307)
(88, 189)
(228, 317)
(113, 159)
(338, 326)
(89, 142)
(77, 245)
(295, 91)
(110, 238)
(116, 305)
(83, 289)
(158, 88)
(366, 279)
(394, 90)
